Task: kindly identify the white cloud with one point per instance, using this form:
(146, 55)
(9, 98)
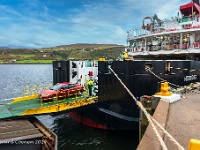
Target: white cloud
(96, 22)
(5, 10)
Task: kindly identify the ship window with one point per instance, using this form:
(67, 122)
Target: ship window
(128, 50)
(74, 65)
(59, 64)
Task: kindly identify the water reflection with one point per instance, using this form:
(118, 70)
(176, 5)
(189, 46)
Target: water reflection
(75, 136)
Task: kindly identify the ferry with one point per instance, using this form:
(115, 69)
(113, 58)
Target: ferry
(160, 51)
(177, 38)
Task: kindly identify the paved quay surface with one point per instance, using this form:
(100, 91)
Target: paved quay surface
(184, 120)
(181, 119)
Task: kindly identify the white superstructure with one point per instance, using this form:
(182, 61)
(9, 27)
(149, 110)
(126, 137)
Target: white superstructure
(179, 35)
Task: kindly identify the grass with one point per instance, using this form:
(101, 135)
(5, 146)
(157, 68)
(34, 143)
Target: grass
(31, 61)
(23, 55)
(46, 56)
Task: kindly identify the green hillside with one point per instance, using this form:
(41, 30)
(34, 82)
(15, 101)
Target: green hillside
(64, 52)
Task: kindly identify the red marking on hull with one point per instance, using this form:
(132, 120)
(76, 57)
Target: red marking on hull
(86, 121)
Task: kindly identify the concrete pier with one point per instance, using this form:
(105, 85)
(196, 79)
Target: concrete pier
(181, 119)
(28, 134)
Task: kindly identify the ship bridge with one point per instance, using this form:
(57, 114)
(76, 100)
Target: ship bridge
(30, 105)
(190, 9)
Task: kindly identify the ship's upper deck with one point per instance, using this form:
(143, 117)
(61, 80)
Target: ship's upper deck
(183, 25)
(189, 21)
(178, 36)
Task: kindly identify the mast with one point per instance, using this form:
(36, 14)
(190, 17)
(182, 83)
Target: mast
(196, 1)
(181, 40)
(192, 11)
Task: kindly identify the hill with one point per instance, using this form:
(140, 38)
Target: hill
(86, 45)
(64, 52)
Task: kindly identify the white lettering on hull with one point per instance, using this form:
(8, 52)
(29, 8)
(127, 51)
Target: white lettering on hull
(190, 78)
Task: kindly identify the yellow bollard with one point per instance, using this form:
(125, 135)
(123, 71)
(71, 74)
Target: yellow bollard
(164, 90)
(102, 59)
(194, 144)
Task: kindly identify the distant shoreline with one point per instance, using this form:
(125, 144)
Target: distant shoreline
(46, 56)
(21, 63)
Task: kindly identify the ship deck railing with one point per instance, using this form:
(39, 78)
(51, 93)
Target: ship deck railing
(173, 26)
(174, 50)
(163, 52)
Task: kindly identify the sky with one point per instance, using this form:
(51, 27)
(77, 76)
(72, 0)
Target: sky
(48, 23)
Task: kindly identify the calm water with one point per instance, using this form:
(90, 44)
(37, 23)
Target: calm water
(71, 135)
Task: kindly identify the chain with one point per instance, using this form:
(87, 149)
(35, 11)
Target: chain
(182, 89)
(149, 69)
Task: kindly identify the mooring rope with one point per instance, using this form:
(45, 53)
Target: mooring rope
(165, 132)
(184, 87)
(148, 69)
(150, 118)
(145, 112)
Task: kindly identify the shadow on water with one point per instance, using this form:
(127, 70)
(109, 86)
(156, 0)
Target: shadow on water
(75, 136)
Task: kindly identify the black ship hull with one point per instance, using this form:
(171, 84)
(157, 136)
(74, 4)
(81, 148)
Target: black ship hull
(116, 110)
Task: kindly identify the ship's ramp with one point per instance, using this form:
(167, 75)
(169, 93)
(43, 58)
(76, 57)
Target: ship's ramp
(32, 105)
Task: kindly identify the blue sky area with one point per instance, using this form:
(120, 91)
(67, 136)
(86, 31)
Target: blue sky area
(47, 23)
